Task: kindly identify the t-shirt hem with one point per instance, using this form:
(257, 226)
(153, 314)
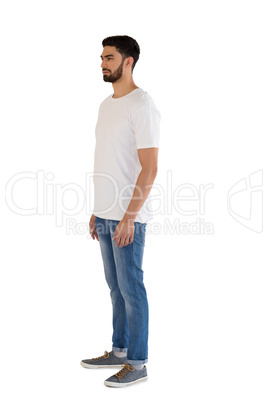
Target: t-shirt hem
(113, 218)
(147, 146)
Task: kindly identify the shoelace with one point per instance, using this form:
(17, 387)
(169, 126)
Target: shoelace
(126, 368)
(105, 356)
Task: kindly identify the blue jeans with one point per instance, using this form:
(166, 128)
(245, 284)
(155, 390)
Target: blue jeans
(124, 276)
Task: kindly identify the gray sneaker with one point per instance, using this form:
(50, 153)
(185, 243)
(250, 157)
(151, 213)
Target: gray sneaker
(107, 360)
(127, 376)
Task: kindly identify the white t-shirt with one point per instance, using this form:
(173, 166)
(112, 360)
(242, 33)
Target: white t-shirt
(124, 125)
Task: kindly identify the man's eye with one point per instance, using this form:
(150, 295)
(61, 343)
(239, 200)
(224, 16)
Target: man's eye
(109, 58)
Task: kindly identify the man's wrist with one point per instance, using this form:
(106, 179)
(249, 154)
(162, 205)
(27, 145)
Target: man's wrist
(128, 217)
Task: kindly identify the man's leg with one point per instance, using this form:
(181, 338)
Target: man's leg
(128, 261)
(120, 336)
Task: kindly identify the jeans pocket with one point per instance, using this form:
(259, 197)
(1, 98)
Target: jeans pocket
(140, 231)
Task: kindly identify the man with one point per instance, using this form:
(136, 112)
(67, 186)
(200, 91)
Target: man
(125, 167)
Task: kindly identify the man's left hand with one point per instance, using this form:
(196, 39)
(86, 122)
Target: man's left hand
(124, 233)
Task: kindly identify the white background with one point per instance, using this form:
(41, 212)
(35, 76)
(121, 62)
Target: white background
(205, 65)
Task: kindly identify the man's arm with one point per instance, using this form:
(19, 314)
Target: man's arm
(148, 158)
(124, 231)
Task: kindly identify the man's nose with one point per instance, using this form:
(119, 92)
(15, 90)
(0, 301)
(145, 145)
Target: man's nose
(103, 65)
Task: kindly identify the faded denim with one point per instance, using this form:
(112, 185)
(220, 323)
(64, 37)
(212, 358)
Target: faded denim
(124, 275)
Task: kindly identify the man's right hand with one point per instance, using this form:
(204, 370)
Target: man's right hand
(92, 228)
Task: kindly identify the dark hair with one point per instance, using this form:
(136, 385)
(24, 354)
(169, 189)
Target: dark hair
(125, 45)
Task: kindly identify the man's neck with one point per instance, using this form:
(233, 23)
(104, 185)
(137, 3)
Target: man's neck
(122, 90)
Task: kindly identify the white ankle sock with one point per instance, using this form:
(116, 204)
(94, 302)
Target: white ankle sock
(138, 366)
(120, 354)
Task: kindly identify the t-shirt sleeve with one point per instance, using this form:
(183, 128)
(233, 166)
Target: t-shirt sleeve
(146, 126)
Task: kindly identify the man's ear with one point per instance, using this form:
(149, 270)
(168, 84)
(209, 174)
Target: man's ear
(130, 61)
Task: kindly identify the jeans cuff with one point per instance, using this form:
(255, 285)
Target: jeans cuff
(119, 349)
(137, 361)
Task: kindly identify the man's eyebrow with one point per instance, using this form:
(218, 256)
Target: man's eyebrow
(107, 55)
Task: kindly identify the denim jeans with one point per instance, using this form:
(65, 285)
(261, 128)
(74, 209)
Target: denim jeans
(124, 276)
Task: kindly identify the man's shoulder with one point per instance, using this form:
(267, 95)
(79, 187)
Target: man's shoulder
(142, 101)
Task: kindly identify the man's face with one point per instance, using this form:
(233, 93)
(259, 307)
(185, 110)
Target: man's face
(112, 64)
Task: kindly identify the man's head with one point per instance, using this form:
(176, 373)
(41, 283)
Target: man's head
(119, 57)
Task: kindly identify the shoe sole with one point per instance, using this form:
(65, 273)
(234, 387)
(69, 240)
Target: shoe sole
(95, 366)
(121, 384)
